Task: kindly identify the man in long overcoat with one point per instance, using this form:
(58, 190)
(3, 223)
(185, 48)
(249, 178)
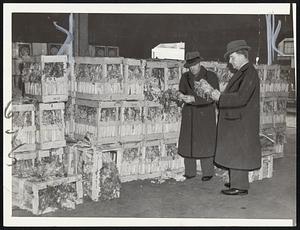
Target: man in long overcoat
(238, 143)
(198, 126)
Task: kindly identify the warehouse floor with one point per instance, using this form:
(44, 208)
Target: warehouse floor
(267, 199)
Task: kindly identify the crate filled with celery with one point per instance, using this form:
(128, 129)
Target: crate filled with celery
(99, 78)
(45, 78)
(101, 119)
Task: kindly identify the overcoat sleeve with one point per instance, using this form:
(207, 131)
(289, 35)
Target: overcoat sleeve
(241, 97)
(214, 80)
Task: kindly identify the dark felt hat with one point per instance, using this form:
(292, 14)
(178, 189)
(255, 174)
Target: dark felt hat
(192, 58)
(234, 46)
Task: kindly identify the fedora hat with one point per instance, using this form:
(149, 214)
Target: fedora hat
(234, 46)
(192, 58)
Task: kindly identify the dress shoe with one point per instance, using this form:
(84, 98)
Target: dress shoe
(188, 177)
(234, 191)
(206, 178)
(227, 185)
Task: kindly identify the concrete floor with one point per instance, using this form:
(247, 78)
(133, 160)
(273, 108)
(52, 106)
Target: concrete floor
(273, 198)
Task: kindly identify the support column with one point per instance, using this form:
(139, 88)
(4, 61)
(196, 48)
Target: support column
(81, 41)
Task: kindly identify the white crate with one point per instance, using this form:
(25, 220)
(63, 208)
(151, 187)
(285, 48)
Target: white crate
(51, 126)
(89, 161)
(45, 78)
(99, 78)
(131, 157)
(131, 126)
(153, 121)
(21, 49)
(100, 118)
(23, 121)
(26, 193)
(172, 122)
(134, 74)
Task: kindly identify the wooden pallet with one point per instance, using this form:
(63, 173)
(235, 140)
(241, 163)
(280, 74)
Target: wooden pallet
(53, 89)
(26, 192)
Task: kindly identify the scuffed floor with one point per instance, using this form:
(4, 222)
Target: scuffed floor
(267, 199)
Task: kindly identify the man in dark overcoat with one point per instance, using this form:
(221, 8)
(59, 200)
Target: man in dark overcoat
(198, 126)
(238, 143)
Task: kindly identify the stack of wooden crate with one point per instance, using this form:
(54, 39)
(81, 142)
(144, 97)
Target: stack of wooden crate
(117, 101)
(274, 95)
(42, 128)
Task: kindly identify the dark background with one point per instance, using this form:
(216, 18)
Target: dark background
(137, 34)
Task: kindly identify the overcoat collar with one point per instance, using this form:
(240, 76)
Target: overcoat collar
(202, 74)
(237, 75)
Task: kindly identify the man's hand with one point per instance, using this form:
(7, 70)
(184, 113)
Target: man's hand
(180, 96)
(188, 99)
(215, 95)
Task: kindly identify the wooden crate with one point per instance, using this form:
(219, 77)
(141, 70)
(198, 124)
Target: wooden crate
(280, 111)
(89, 161)
(27, 192)
(280, 140)
(51, 127)
(271, 83)
(267, 106)
(267, 140)
(23, 121)
(27, 161)
(155, 79)
(131, 157)
(170, 160)
(97, 51)
(24, 164)
(99, 78)
(112, 51)
(45, 78)
(39, 49)
(101, 119)
(53, 48)
(153, 121)
(172, 122)
(131, 126)
(266, 170)
(151, 157)
(21, 49)
(134, 74)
